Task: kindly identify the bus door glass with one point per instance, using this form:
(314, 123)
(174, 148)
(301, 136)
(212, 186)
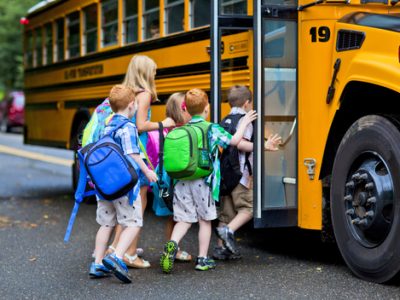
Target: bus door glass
(231, 52)
(276, 98)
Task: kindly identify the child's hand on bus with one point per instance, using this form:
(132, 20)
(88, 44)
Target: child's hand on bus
(250, 117)
(151, 175)
(168, 123)
(273, 142)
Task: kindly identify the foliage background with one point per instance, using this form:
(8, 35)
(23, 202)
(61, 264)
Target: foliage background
(11, 43)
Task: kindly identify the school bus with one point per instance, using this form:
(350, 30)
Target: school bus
(325, 76)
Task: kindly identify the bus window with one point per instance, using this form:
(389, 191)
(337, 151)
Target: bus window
(73, 35)
(233, 7)
(174, 16)
(151, 19)
(38, 47)
(49, 43)
(109, 21)
(29, 49)
(90, 34)
(130, 31)
(200, 13)
(60, 40)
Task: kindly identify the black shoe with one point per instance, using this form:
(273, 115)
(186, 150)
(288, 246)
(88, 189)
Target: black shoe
(227, 238)
(205, 264)
(221, 253)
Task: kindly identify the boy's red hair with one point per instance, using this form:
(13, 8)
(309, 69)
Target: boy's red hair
(196, 101)
(120, 97)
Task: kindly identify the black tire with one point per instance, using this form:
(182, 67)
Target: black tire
(365, 198)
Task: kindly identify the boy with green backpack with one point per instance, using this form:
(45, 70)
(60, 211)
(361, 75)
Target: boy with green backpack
(190, 156)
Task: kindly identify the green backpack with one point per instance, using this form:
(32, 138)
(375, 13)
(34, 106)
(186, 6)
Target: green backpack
(186, 152)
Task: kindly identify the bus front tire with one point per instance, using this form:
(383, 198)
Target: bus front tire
(365, 198)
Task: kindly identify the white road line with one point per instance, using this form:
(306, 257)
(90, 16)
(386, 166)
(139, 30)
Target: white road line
(36, 156)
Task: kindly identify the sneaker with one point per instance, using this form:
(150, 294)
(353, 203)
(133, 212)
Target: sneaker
(205, 264)
(221, 253)
(168, 257)
(98, 271)
(118, 267)
(227, 238)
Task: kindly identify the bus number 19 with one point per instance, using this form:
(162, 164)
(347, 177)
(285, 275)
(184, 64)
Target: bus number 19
(323, 33)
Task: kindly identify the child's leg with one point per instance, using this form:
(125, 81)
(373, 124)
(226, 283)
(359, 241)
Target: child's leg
(102, 237)
(241, 218)
(143, 196)
(117, 234)
(226, 215)
(180, 230)
(128, 234)
(169, 227)
(204, 237)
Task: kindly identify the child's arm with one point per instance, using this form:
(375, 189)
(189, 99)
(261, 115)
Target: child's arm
(245, 146)
(142, 124)
(151, 175)
(272, 143)
(247, 119)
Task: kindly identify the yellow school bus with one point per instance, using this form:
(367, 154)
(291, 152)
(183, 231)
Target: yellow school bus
(325, 76)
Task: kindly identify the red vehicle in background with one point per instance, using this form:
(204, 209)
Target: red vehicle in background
(12, 111)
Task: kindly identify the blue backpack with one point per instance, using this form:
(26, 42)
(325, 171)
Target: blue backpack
(105, 164)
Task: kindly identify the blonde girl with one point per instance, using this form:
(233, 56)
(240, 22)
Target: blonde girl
(141, 77)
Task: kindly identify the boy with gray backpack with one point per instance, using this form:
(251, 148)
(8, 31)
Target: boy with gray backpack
(190, 156)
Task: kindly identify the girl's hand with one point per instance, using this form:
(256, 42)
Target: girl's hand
(168, 123)
(250, 117)
(272, 143)
(151, 175)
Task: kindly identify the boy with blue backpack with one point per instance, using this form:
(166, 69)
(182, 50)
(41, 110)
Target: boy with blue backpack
(190, 155)
(120, 211)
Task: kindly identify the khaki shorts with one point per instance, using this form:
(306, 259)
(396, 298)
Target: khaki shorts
(240, 200)
(119, 211)
(193, 201)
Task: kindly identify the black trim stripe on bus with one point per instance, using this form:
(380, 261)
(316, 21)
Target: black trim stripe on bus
(235, 64)
(80, 103)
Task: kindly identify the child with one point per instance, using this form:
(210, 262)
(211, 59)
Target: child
(193, 199)
(109, 213)
(176, 110)
(237, 208)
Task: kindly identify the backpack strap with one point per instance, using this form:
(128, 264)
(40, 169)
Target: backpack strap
(80, 194)
(161, 149)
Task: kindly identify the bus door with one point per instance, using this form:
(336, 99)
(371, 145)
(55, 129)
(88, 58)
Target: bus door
(275, 86)
(231, 51)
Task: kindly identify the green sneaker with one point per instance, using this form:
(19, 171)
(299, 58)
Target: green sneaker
(205, 264)
(168, 256)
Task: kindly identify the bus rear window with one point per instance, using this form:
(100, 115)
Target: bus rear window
(73, 35)
(151, 19)
(38, 47)
(49, 43)
(60, 40)
(200, 13)
(130, 28)
(109, 22)
(90, 35)
(29, 49)
(174, 16)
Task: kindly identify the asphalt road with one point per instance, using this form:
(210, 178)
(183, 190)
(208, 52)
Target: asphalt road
(35, 203)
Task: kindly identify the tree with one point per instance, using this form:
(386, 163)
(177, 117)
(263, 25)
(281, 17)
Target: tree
(11, 42)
